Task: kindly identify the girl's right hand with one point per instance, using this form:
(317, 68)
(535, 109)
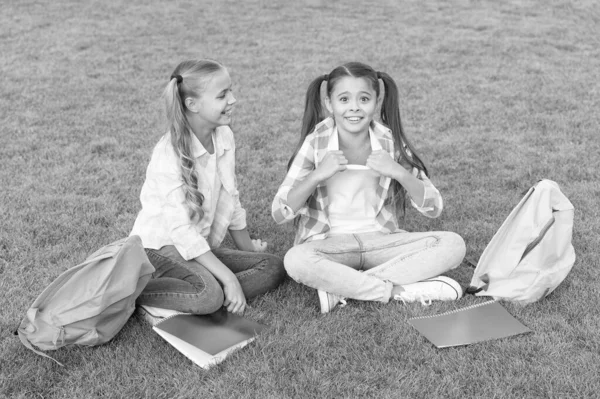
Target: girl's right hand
(259, 245)
(235, 301)
(333, 162)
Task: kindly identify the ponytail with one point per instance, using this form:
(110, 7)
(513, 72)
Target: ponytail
(313, 112)
(406, 153)
(186, 81)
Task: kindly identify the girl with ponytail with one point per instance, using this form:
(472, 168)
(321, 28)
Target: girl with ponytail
(190, 201)
(347, 186)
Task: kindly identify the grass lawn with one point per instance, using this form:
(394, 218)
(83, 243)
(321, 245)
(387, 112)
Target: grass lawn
(495, 95)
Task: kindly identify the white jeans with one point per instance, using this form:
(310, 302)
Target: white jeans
(366, 266)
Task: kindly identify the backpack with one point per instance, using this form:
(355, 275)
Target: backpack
(531, 254)
(89, 303)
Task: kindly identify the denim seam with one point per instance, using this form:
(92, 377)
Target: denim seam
(169, 294)
(257, 266)
(394, 244)
(157, 255)
(325, 252)
(435, 244)
(253, 269)
(361, 249)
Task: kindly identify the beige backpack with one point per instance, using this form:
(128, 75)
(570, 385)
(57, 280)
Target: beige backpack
(531, 254)
(89, 303)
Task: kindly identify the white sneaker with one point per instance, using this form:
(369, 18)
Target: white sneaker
(154, 315)
(329, 301)
(439, 288)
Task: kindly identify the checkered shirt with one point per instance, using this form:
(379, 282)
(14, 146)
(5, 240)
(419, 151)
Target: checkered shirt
(313, 223)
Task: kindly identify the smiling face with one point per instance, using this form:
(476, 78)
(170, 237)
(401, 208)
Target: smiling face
(214, 106)
(352, 102)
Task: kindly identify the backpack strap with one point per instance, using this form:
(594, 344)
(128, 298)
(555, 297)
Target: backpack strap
(539, 238)
(470, 262)
(474, 290)
(25, 342)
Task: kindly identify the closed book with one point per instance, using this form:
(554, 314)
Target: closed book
(476, 323)
(208, 339)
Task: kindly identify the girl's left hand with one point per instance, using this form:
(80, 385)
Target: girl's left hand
(259, 246)
(381, 162)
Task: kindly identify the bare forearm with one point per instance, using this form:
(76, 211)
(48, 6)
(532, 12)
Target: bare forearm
(235, 301)
(414, 187)
(216, 267)
(242, 240)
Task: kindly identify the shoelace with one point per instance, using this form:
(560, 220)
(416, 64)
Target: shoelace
(412, 296)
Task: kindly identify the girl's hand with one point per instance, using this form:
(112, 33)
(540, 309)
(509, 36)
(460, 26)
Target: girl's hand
(333, 162)
(259, 246)
(235, 301)
(381, 162)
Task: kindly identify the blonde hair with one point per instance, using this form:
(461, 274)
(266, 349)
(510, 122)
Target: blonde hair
(188, 80)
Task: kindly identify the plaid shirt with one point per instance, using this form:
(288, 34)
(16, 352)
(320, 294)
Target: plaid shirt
(313, 221)
(164, 218)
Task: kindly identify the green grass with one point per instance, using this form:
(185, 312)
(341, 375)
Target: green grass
(495, 95)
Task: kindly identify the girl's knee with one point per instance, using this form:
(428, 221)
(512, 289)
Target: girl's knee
(209, 299)
(455, 240)
(303, 262)
(215, 303)
(276, 271)
(456, 247)
(295, 262)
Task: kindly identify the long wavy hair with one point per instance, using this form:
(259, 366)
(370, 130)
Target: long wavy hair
(187, 80)
(405, 153)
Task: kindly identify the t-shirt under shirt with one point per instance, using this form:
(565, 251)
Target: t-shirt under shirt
(352, 200)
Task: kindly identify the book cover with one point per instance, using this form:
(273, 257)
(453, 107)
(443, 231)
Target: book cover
(477, 323)
(208, 339)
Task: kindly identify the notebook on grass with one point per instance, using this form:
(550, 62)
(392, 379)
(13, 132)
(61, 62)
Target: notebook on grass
(482, 322)
(208, 339)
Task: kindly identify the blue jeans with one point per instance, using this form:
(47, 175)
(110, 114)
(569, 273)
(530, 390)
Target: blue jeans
(366, 266)
(187, 286)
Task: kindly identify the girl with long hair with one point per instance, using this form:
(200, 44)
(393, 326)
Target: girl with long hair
(348, 183)
(190, 201)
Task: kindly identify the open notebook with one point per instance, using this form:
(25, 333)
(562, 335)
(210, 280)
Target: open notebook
(207, 339)
(482, 322)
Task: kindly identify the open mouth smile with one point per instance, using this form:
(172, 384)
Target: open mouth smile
(354, 119)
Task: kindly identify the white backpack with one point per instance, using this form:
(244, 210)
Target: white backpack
(531, 254)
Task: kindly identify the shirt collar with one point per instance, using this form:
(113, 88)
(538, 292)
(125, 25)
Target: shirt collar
(219, 142)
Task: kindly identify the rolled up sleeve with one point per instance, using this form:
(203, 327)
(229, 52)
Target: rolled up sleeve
(238, 219)
(302, 165)
(432, 204)
(280, 210)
